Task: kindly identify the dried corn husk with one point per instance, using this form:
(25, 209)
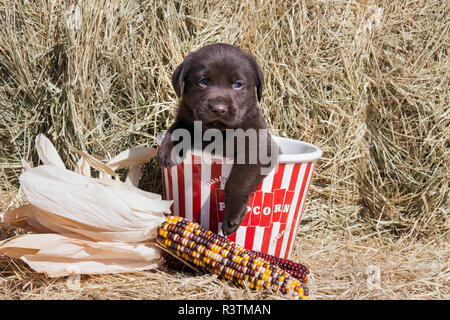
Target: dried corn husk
(61, 255)
(86, 224)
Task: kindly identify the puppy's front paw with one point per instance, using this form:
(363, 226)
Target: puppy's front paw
(164, 156)
(233, 218)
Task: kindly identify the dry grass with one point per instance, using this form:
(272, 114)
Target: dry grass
(368, 84)
(341, 265)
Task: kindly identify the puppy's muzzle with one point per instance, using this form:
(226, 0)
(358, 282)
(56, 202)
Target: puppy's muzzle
(219, 109)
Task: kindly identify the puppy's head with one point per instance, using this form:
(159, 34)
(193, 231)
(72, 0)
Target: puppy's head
(217, 83)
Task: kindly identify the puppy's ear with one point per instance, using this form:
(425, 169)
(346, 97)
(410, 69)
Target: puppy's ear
(179, 75)
(258, 76)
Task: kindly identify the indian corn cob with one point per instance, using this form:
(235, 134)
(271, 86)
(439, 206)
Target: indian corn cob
(221, 256)
(297, 270)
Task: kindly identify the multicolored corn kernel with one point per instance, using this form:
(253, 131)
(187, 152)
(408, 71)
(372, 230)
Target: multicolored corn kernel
(297, 270)
(219, 255)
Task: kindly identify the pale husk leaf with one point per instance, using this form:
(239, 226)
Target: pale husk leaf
(47, 152)
(60, 255)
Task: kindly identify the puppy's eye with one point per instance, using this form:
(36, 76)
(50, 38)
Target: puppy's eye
(237, 85)
(203, 83)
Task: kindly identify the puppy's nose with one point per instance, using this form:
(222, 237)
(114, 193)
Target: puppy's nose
(219, 108)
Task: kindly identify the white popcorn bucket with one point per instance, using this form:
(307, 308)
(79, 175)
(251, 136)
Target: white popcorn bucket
(275, 209)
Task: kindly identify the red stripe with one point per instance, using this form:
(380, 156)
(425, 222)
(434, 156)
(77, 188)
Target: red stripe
(170, 195)
(249, 213)
(302, 208)
(307, 189)
(290, 193)
(293, 231)
(216, 170)
(249, 237)
(267, 205)
(294, 176)
(278, 204)
(232, 237)
(196, 189)
(286, 206)
(266, 239)
(278, 177)
(181, 190)
(266, 221)
(283, 217)
(268, 202)
(280, 237)
(220, 197)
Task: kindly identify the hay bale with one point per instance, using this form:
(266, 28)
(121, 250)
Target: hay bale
(367, 83)
(405, 183)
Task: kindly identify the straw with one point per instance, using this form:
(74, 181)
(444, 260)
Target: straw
(366, 81)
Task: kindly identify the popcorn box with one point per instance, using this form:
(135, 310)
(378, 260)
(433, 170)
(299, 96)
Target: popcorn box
(275, 208)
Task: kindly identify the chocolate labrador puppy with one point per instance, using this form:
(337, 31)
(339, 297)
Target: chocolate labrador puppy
(219, 85)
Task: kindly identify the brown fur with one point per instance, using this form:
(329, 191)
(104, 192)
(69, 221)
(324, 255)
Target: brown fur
(205, 82)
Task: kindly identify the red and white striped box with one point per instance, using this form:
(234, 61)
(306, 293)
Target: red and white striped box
(274, 210)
